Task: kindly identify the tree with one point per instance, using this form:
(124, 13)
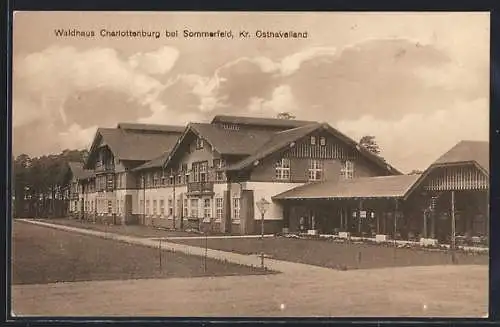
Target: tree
(415, 172)
(285, 115)
(368, 142)
(42, 178)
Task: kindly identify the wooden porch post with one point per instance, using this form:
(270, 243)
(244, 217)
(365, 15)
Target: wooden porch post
(359, 215)
(341, 219)
(424, 232)
(453, 226)
(377, 213)
(396, 220)
(433, 223)
(487, 215)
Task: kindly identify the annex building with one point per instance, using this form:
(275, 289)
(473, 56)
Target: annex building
(209, 176)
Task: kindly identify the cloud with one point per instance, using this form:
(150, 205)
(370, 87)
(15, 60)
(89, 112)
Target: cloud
(60, 71)
(77, 137)
(400, 139)
(63, 86)
(282, 100)
(290, 64)
(156, 62)
(391, 88)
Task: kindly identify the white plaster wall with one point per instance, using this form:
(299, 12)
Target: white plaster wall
(267, 190)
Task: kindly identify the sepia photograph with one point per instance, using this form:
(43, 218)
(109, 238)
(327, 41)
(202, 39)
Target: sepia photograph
(250, 164)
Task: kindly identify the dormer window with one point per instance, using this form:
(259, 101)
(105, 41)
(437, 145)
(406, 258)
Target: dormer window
(322, 141)
(313, 140)
(199, 143)
(232, 127)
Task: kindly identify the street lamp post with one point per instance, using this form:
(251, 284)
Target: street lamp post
(262, 205)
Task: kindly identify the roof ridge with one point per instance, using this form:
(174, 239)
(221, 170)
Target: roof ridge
(298, 127)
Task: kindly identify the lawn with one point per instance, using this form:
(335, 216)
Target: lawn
(131, 230)
(46, 255)
(329, 254)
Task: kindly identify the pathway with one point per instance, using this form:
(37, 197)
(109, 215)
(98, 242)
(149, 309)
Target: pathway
(300, 290)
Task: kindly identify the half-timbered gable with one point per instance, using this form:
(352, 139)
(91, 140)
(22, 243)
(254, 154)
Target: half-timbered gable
(456, 177)
(312, 152)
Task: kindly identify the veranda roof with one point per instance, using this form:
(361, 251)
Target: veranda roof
(365, 187)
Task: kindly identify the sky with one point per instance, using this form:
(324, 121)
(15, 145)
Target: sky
(418, 82)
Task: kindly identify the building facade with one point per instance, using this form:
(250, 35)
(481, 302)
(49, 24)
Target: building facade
(209, 177)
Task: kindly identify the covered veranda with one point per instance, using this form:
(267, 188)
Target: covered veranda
(363, 207)
(458, 195)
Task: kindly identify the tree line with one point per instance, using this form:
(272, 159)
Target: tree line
(38, 179)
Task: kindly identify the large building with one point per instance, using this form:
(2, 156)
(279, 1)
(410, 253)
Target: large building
(209, 176)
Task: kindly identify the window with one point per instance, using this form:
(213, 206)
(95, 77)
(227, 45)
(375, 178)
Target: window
(313, 140)
(200, 171)
(347, 170)
(147, 207)
(219, 163)
(148, 180)
(236, 209)
(110, 182)
(207, 209)
(171, 180)
(110, 207)
(196, 172)
(203, 171)
(233, 127)
(322, 140)
(283, 169)
(155, 180)
(170, 207)
(194, 208)
(154, 207)
(219, 208)
(185, 208)
(199, 143)
(142, 182)
(163, 179)
(162, 207)
(315, 170)
(141, 209)
(220, 175)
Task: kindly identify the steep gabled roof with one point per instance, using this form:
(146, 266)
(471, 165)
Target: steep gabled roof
(225, 141)
(467, 151)
(284, 138)
(136, 144)
(264, 122)
(365, 187)
(278, 141)
(154, 163)
(150, 127)
(234, 142)
(464, 152)
(78, 171)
